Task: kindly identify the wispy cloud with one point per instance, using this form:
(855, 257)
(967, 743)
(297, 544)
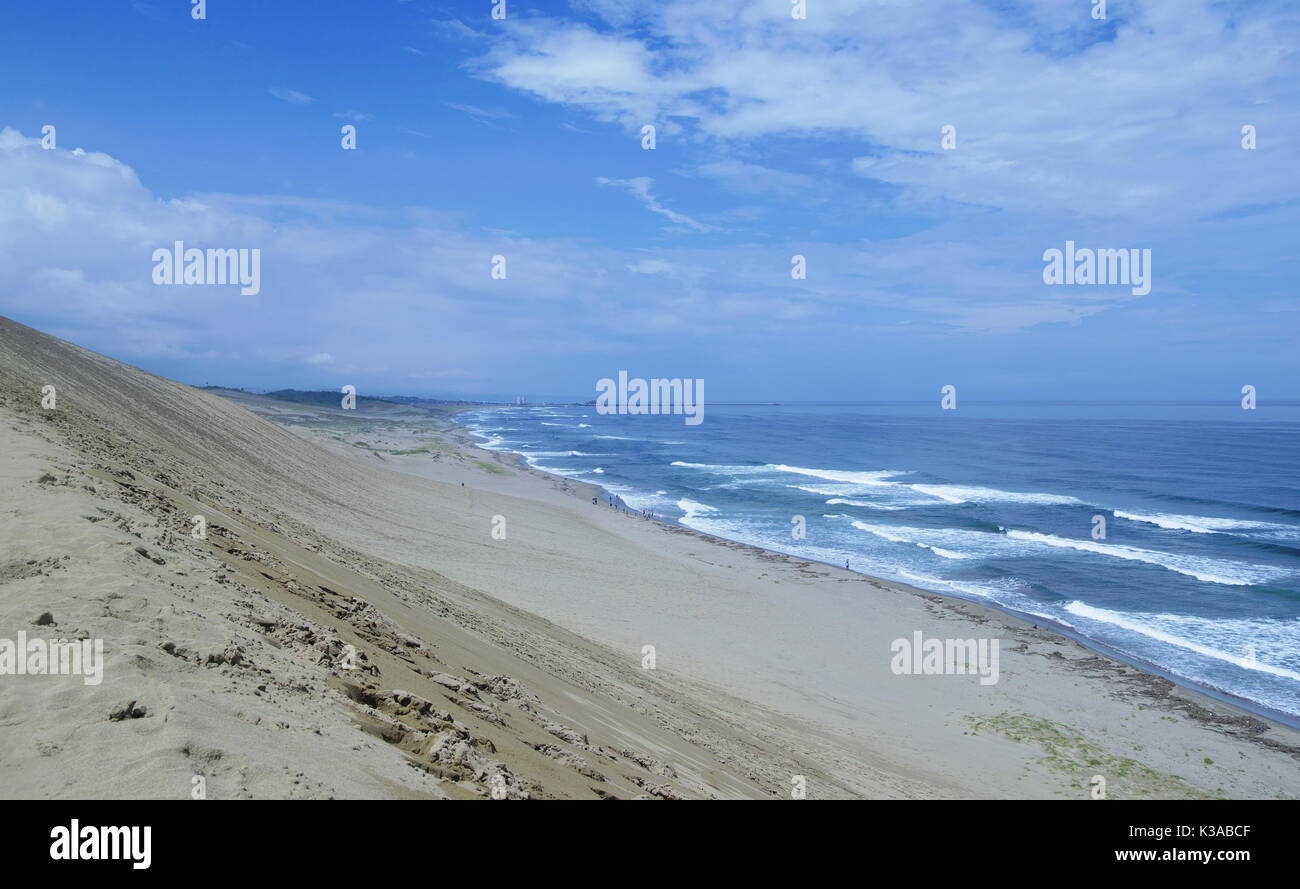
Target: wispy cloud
(639, 188)
(293, 97)
(145, 9)
(455, 28)
(747, 177)
(652, 267)
(1000, 73)
(911, 298)
(820, 138)
(484, 115)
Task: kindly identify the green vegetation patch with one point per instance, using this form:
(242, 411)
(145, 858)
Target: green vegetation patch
(1067, 751)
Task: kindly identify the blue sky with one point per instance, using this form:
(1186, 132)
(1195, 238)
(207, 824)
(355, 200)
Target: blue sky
(775, 136)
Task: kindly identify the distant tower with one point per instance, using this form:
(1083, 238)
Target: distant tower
(520, 400)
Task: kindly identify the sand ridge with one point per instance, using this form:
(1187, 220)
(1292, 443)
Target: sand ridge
(482, 666)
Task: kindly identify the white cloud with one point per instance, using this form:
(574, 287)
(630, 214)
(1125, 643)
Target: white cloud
(639, 187)
(1053, 111)
(652, 267)
(577, 66)
(293, 97)
(456, 28)
(411, 290)
(480, 113)
(747, 177)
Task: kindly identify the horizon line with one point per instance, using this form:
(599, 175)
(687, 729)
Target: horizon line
(778, 402)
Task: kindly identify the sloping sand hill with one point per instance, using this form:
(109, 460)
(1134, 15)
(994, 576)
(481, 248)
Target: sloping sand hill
(349, 626)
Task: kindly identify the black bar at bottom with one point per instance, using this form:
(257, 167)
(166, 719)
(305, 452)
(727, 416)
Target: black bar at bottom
(308, 839)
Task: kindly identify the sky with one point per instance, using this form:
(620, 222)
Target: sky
(775, 136)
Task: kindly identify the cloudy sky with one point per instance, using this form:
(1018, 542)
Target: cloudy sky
(775, 136)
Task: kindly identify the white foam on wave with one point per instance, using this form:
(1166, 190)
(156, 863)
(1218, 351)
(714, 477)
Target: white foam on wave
(1005, 594)
(830, 492)
(710, 520)
(638, 499)
(946, 553)
(934, 491)
(694, 509)
(947, 493)
(876, 478)
(725, 468)
(895, 498)
(1202, 568)
(1199, 524)
(937, 541)
(840, 501)
(859, 482)
(531, 460)
(1206, 636)
(966, 494)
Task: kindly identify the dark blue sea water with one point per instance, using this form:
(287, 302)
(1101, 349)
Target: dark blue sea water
(1198, 573)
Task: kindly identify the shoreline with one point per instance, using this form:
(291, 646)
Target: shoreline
(483, 658)
(466, 437)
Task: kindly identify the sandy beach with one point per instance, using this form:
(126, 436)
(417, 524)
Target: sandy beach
(351, 626)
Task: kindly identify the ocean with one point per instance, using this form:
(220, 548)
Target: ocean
(1197, 576)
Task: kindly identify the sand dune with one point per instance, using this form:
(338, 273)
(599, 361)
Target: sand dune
(350, 627)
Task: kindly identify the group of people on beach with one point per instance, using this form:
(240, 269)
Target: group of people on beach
(612, 501)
